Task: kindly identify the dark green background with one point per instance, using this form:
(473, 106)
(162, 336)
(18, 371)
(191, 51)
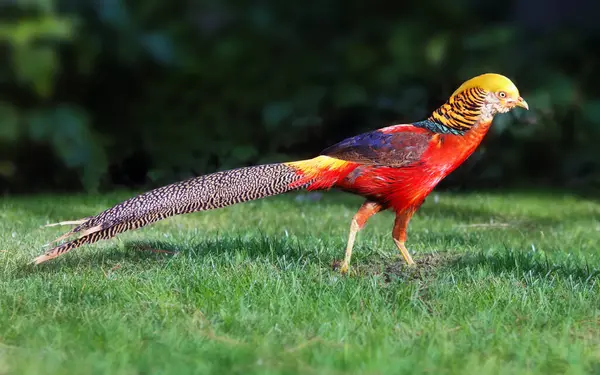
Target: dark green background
(104, 94)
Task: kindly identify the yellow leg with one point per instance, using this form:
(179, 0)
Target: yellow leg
(365, 211)
(354, 228)
(404, 251)
(399, 234)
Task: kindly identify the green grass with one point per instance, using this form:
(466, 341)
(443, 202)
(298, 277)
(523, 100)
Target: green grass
(250, 290)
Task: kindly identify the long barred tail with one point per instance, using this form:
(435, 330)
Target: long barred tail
(196, 194)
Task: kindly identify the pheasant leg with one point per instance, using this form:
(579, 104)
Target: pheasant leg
(368, 209)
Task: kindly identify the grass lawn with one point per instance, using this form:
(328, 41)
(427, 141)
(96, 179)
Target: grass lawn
(508, 284)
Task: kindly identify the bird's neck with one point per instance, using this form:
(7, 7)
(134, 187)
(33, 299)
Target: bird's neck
(459, 114)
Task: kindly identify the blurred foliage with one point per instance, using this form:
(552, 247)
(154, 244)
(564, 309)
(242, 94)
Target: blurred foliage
(104, 93)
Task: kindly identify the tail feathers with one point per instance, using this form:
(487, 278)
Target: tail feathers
(68, 222)
(88, 236)
(80, 225)
(208, 192)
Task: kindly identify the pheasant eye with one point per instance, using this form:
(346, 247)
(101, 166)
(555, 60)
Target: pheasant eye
(502, 94)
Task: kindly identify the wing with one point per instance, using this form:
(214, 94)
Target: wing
(398, 147)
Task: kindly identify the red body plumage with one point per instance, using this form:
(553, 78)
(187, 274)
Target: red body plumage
(399, 188)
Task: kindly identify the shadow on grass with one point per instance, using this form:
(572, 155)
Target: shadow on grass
(276, 248)
(148, 252)
(262, 246)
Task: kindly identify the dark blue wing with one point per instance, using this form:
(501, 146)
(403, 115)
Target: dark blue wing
(377, 148)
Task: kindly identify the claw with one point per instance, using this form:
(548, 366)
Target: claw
(344, 269)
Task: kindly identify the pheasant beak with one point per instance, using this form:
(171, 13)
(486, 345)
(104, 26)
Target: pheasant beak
(522, 103)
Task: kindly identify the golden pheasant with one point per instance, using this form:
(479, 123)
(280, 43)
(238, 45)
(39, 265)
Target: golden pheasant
(395, 168)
